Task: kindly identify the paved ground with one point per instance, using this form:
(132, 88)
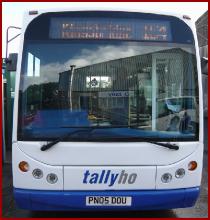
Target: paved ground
(199, 210)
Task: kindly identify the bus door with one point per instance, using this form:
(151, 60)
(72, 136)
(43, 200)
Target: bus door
(167, 70)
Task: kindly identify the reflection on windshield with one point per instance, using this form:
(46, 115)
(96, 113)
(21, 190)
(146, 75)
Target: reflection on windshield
(151, 88)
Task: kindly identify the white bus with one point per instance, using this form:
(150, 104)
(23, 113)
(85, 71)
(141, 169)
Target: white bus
(91, 128)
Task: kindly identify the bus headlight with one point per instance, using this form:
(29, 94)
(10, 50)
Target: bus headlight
(52, 178)
(166, 177)
(180, 173)
(37, 173)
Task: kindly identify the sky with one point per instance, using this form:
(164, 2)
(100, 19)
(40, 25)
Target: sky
(12, 12)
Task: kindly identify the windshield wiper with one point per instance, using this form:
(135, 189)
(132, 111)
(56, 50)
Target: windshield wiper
(90, 129)
(52, 143)
(167, 145)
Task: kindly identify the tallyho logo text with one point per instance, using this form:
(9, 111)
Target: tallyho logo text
(108, 177)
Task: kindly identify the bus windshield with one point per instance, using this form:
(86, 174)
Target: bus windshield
(129, 88)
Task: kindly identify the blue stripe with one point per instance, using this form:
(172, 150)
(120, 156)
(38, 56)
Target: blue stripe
(75, 200)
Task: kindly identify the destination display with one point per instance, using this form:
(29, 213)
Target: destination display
(109, 29)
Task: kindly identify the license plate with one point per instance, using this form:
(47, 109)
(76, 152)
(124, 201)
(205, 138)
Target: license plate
(108, 201)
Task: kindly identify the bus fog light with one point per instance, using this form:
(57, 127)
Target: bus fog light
(192, 165)
(180, 173)
(23, 166)
(37, 174)
(166, 177)
(52, 178)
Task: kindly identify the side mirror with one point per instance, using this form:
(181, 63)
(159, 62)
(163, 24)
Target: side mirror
(11, 62)
(204, 65)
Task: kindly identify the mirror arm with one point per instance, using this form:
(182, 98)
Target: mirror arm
(9, 40)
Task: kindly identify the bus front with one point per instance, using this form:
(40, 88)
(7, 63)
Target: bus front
(107, 112)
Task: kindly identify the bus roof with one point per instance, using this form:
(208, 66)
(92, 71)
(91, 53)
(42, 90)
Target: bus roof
(42, 11)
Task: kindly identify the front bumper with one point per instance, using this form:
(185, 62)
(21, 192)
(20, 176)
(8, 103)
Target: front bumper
(75, 200)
